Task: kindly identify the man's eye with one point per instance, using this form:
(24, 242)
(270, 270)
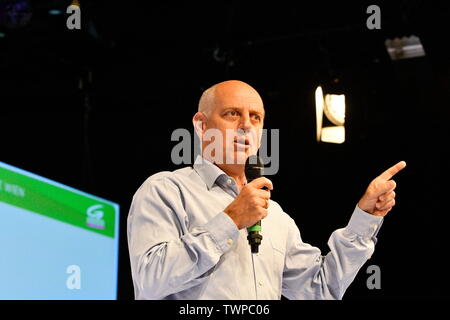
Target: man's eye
(231, 113)
(256, 117)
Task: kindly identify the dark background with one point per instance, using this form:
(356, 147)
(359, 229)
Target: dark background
(95, 109)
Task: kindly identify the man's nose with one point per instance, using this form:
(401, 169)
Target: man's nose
(245, 123)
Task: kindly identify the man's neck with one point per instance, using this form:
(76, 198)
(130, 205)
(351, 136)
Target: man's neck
(236, 171)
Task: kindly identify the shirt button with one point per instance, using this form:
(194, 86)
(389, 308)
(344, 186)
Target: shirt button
(229, 181)
(260, 283)
(230, 241)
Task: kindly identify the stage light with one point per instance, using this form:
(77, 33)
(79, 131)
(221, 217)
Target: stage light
(333, 105)
(2, 35)
(319, 111)
(334, 134)
(404, 48)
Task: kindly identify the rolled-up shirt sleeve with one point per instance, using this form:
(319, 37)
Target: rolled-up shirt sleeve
(309, 275)
(166, 256)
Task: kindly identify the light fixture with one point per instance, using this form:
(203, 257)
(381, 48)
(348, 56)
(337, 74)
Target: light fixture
(333, 105)
(404, 48)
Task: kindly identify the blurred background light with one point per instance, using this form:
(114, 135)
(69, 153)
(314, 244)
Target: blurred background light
(54, 12)
(15, 13)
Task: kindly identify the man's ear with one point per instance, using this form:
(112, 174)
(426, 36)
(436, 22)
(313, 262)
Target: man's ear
(199, 121)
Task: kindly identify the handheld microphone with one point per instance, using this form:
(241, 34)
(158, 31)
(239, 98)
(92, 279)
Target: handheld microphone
(254, 169)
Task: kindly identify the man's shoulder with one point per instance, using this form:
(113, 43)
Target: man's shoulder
(173, 177)
(164, 183)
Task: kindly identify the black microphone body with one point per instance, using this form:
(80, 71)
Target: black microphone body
(254, 169)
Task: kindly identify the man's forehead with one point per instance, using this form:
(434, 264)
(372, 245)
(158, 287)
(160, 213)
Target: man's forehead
(240, 100)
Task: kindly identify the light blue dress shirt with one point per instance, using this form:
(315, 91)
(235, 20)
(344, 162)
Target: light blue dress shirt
(183, 246)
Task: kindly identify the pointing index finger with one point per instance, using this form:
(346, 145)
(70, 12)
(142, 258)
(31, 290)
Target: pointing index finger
(389, 173)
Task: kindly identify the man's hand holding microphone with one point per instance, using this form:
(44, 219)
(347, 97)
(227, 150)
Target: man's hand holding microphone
(252, 203)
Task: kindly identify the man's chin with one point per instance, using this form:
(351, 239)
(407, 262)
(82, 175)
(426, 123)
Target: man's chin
(239, 157)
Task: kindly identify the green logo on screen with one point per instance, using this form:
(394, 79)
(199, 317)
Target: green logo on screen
(95, 217)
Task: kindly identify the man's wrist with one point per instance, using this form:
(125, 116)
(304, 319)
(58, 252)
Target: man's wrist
(363, 223)
(364, 208)
(223, 230)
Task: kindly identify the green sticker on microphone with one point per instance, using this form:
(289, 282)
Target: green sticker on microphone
(256, 227)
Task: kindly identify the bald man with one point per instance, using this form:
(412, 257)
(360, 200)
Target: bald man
(187, 231)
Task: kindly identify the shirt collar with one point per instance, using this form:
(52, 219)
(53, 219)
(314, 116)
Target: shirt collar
(208, 171)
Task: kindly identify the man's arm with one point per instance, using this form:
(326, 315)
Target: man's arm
(309, 275)
(165, 256)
